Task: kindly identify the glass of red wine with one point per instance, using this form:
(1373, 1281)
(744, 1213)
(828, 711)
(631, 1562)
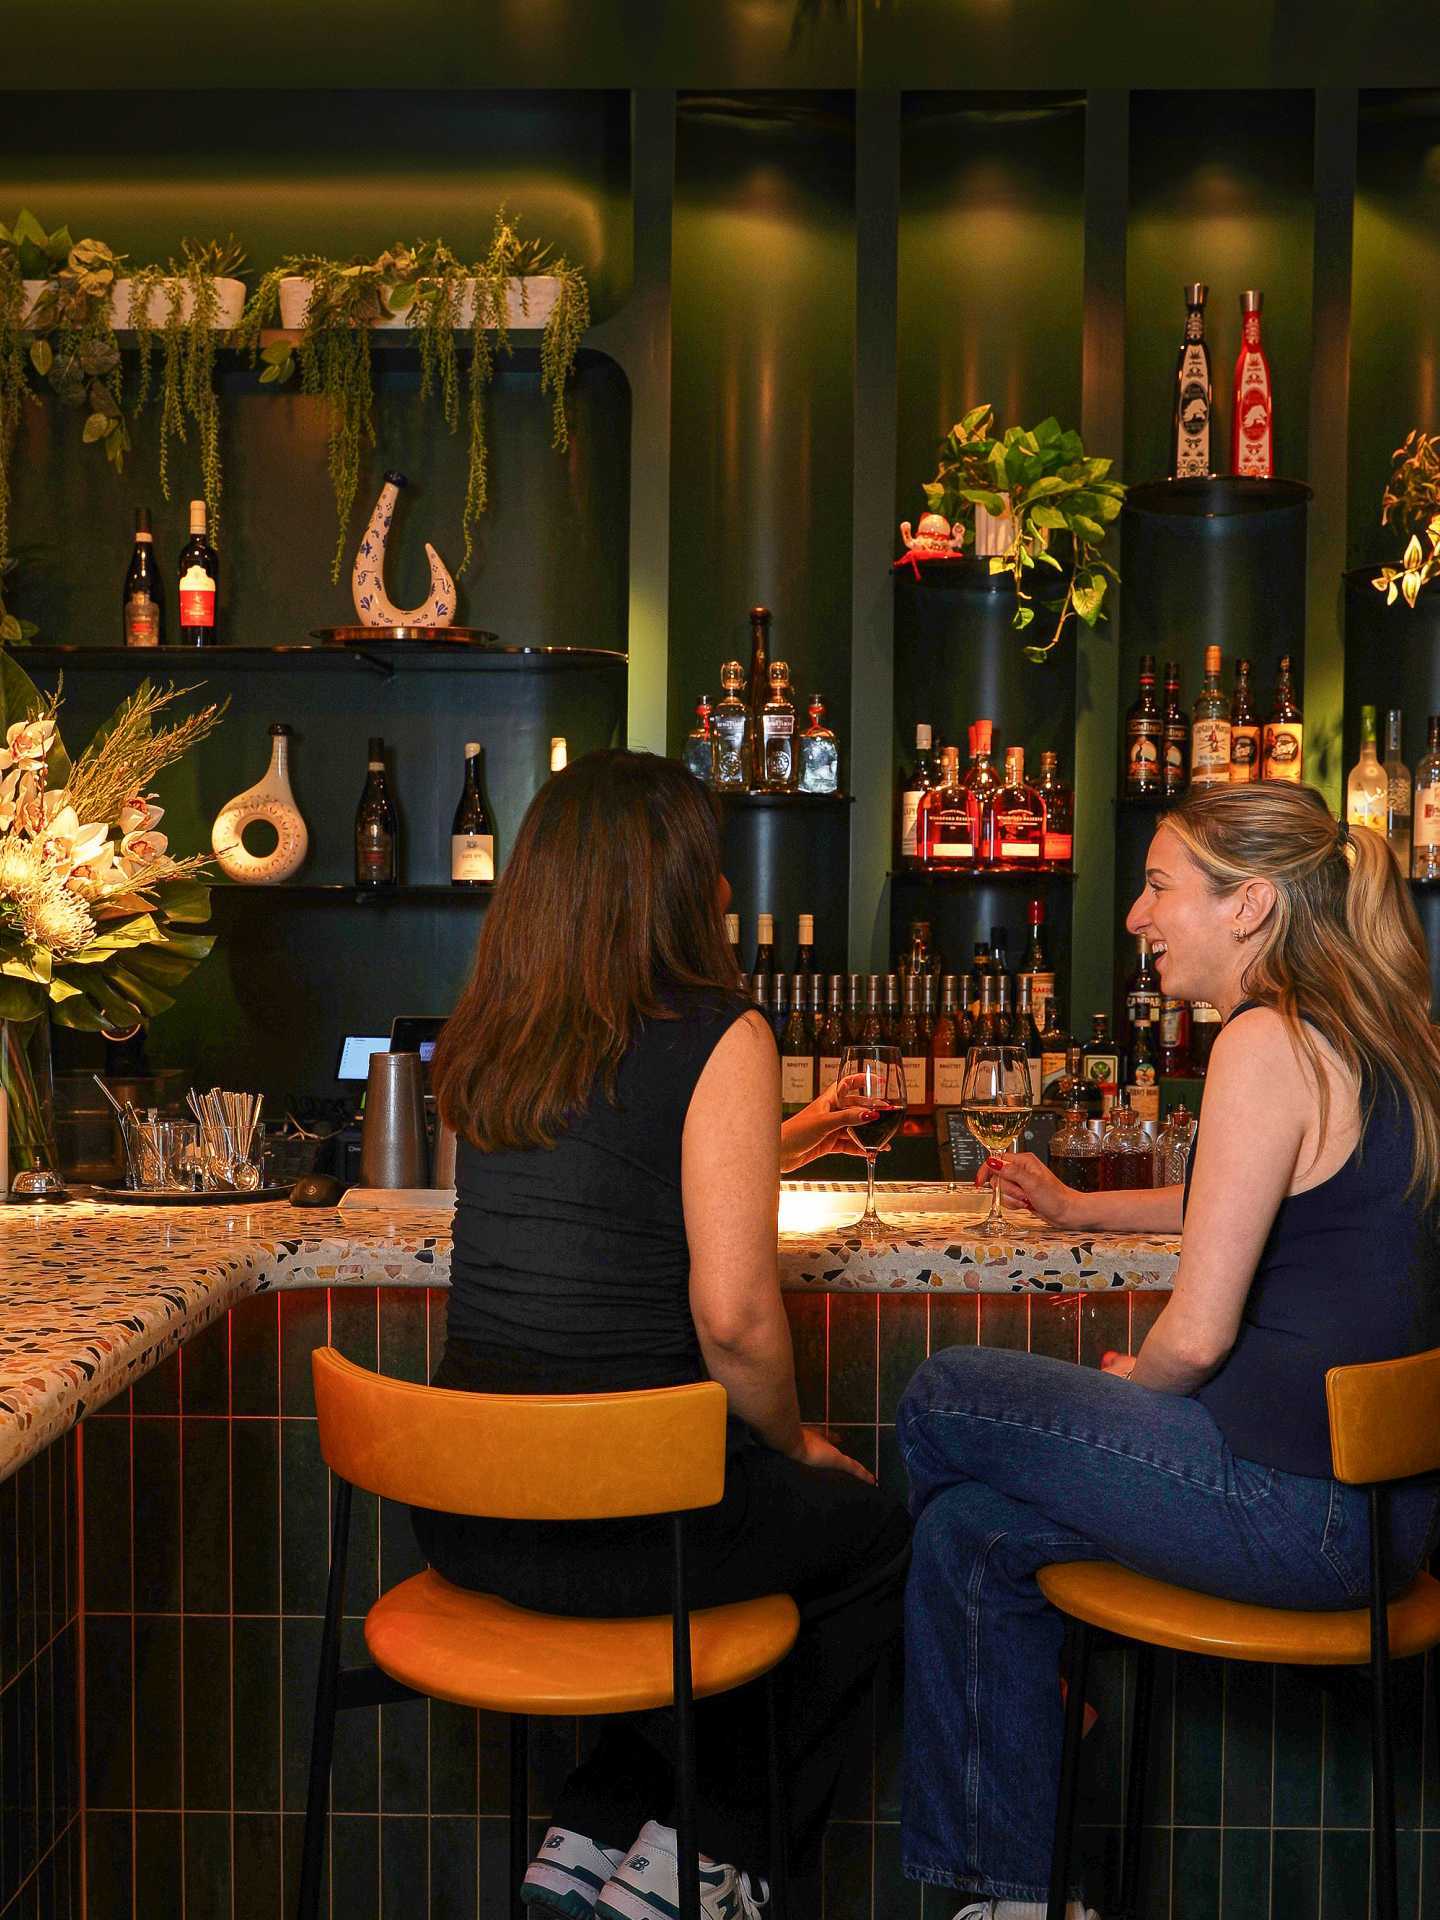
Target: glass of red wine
(876, 1075)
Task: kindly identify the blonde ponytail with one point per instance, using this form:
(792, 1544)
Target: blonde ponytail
(1342, 948)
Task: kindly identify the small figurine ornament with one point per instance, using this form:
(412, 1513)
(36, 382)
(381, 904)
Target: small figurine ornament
(933, 539)
(272, 801)
(367, 579)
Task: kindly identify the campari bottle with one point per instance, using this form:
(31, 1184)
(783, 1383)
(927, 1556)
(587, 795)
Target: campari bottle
(1252, 423)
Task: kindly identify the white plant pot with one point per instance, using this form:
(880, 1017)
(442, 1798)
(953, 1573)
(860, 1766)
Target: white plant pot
(531, 307)
(230, 296)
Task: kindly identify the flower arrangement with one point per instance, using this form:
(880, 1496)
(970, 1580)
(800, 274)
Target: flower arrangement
(1412, 501)
(95, 911)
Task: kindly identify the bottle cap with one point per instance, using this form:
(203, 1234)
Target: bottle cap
(1049, 760)
(983, 730)
(142, 523)
(377, 747)
(1014, 765)
(923, 737)
(197, 516)
(806, 929)
(559, 753)
(779, 673)
(1252, 301)
(732, 929)
(1147, 666)
(1196, 293)
(766, 930)
(1212, 659)
(472, 747)
(731, 674)
(1037, 912)
(759, 616)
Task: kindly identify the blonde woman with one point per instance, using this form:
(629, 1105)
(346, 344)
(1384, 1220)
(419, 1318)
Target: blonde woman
(1310, 1242)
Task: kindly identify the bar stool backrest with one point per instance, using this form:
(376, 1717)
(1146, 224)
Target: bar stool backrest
(1385, 1418)
(599, 1456)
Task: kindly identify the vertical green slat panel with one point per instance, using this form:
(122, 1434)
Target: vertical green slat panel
(872, 763)
(1107, 192)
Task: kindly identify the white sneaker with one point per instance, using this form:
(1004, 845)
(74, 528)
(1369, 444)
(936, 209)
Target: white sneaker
(1021, 1910)
(567, 1874)
(646, 1885)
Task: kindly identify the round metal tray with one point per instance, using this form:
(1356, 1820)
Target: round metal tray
(418, 636)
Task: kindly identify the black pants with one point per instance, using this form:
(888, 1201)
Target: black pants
(837, 1545)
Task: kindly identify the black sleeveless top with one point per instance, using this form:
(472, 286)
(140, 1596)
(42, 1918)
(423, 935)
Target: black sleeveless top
(571, 1269)
(1350, 1273)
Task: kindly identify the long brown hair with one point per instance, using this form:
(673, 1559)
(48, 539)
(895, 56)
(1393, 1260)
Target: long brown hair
(1341, 948)
(610, 895)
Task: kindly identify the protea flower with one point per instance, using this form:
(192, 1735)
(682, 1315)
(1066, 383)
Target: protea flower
(22, 868)
(54, 918)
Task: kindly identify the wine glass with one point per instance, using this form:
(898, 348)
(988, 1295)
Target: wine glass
(996, 1102)
(876, 1075)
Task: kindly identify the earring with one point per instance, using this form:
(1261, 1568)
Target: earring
(1239, 933)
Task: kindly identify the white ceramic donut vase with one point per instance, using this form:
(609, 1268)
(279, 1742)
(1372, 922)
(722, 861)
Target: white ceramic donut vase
(272, 801)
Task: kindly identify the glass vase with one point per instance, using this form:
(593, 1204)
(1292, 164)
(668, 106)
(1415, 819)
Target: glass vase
(31, 1166)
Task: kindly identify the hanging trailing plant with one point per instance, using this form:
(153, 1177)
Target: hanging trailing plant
(427, 286)
(74, 346)
(190, 334)
(18, 251)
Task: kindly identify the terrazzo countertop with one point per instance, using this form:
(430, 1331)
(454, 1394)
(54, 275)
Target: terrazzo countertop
(93, 1295)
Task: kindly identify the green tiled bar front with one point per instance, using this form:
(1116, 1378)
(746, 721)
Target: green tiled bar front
(205, 1552)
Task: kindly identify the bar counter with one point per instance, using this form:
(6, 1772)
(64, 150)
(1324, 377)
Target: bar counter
(95, 1294)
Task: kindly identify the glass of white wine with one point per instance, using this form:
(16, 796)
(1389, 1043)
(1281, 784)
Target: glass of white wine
(996, 1102)
(875, 1074)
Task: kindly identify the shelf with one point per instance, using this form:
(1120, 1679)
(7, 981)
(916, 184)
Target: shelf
(386, 657)
(1222, 497)
(980, 876)
(339, 893)
(806, 802)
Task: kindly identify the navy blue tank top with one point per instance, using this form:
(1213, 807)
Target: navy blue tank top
(571, 1269)
(1350, 1273)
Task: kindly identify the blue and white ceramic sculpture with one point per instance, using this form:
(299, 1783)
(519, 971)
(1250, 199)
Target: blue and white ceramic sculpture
(367, 579)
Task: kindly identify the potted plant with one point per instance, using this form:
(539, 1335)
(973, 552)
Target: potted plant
(69, 314)
(1054, 507)
(336, 306)
(190, 304)
(1412, 503)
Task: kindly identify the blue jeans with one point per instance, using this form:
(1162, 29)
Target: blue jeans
(1016, 1461)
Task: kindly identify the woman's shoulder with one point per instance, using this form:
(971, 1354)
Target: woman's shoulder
(704, 1006)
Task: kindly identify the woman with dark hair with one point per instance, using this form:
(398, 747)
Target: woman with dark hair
(617, 1107)
(1310, 1242)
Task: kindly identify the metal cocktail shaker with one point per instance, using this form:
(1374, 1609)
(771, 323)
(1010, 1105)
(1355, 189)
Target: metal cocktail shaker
(392, 1141)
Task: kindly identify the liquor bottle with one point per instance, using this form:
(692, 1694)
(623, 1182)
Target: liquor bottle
(1397, 781)
(732, 935)
(143, 602)
(730, 724)
(982, 963)
(1000, 957)
(199, 571)
(992, 1027)
(1190, 434)
(1172, 1148)
(779, 1004)
(559, 753)
(764, 944)
(472, 832)
(1143, 1082)
(1284, 748)
(1017, 819)
(760, 992)
(1074, 1146)
(981, 782)
(1026, 1033)
(1142, 989)
(1127, 1160)
(1244, 730)
(1366, 791)
(797, 1061)
(892, 1005)
(929, 998)
(1006, 1026)
(1205, 1025)
(947, 1047)
(920, 777)
(854, 1008)
(1036, 967)
(778, 767)
(1101, 1060)
(872, 1025)
(819, 753)
(805, 943)
(830, 1040)
(1210, 735)
(1425, 860)
(1054, 1046)
(1058, 800)
(1144, 738)
(700, 744)
(758, 691)
(965, 996)
(1175, 723)
(1174, 1048)
(920, 957)
(945, 831)
(913, 1055)
(1252, 423)
(817, 1008)
(377, 829)
(1080, 1086)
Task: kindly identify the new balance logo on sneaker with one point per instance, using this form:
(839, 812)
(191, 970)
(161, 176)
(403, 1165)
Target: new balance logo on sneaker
(566, 1875)
(647, 1885)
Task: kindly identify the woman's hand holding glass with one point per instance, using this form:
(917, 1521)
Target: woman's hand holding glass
(1022, 1178)
(995, 1099)
(880, 1072)
(824, 1126)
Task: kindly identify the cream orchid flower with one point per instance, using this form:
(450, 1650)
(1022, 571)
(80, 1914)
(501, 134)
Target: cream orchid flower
(68, 844)
(27, 744)
(139, 814)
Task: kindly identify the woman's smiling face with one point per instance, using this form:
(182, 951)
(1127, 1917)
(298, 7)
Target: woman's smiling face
(1190, 929)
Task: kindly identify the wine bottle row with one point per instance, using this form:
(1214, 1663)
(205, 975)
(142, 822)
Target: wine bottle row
(749, 741)
(978, 819)
(1167, 751)
(379, 859)
(197, 574)
(1384, 798)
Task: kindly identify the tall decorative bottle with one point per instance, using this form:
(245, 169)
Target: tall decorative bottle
(1252, 422)
(1190, 454)
(758, 690)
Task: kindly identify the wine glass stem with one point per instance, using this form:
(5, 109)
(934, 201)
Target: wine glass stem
(997, 1210)
(870, 1213)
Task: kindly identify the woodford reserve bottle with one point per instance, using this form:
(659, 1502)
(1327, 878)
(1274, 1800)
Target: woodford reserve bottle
(1190, 436)
(1017, 819)
(1210, 737)
(1252, 424)
(1284, 747)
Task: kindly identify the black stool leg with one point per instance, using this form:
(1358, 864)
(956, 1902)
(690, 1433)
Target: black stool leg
(1069, 1769)
(519, 1807)
(1382, 1789)
(322, 1739)
(778, 1837)
(1139, 1776)
(687, 1844)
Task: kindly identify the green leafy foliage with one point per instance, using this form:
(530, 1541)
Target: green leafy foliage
(1412, 504)
(1060, 504)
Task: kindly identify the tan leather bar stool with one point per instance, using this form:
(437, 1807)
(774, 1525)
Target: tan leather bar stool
(1384, 1427)
(600, 1456)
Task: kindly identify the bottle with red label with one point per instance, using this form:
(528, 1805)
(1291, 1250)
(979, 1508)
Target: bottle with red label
(945, 832)
(1252, 423)
(981, 782)
(1016, 825)
(199, 584)
(1058, 845)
